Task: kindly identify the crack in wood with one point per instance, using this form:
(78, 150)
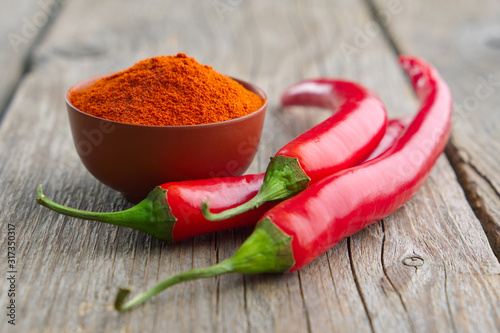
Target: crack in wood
(304, 304)
(333, 283)
(245, 302)
(476, 199)
(387, 36)
(384, 269)
(358, 285)
(447, 299)
(484, 176)
(217, 295)
(155, 323)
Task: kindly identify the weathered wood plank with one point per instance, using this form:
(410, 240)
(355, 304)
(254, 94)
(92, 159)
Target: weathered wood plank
(69, 269)
(429, 266)
(94, 253)
(481, 196)
(20, 27)
(464, 45)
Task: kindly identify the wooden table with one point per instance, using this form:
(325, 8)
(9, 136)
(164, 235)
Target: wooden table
(431, 266)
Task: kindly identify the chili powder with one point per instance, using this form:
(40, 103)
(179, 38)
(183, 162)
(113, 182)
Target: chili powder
(169, 91)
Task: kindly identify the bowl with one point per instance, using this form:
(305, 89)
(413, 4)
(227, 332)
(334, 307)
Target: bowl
(133, 159)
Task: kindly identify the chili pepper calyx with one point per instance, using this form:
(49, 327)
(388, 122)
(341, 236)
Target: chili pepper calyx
(267, 250)
(151, 215)
(284, 178)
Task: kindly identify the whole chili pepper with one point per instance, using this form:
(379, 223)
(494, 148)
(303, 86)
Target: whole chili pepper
(341, 141)
(171, 211)
(298, 230)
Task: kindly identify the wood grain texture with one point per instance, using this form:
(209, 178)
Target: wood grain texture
(20, 27)
(465, 46)
(428, 267)
(481, 196)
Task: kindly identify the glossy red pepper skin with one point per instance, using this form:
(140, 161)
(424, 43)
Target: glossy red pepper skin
(395, 128)
(346, 202)
(341, 141)
(185, 198)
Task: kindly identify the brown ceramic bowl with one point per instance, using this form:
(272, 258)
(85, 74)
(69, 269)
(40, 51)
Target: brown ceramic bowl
(133, 159)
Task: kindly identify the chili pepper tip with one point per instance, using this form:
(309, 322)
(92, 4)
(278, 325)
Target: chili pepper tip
(39, 194)
(122, 294)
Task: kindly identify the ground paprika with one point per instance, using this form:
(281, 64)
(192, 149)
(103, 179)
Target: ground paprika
(168, 91)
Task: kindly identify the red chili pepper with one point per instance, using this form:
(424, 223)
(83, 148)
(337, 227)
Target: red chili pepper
(185, 198)
(341, 141)
(298, 230)
(394, 129)
(172, 210)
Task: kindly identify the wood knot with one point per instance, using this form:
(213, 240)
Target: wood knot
(413, 261)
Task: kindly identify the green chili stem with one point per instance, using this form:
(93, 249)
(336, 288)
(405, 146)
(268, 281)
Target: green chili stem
(120, 305)
(267, 250)
(152, 215)
(284, 178)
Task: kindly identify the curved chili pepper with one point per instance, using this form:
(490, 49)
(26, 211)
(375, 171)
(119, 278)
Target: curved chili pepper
(341, 141)
(172, 210)
(298, 230)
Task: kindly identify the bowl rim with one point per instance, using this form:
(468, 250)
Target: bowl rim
(254, 88)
